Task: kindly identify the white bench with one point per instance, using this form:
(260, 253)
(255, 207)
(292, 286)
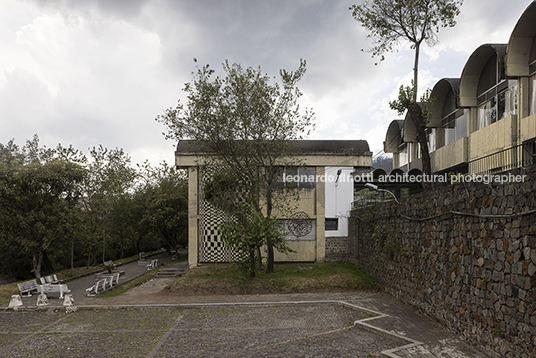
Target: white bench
(28, 287)
(54, 288)
(49, 279)
(103, 284)
(153, 264)
(142, 256)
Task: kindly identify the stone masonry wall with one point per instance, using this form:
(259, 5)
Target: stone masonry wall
(336, 248)
(473, 270)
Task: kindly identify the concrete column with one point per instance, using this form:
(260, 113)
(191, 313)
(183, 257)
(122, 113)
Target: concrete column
(320, 215)
(193, 216)
(523, 105)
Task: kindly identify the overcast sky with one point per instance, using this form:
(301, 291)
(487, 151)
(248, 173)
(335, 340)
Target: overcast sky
(90, 72)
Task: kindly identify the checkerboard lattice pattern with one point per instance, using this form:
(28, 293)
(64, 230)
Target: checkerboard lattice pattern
(212, 247)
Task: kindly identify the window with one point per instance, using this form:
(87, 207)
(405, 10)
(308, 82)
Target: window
(533, 94)
(403, 155)
(332, 224)
(497, 103)
(291, 177)
(432, 140)
(455, 126)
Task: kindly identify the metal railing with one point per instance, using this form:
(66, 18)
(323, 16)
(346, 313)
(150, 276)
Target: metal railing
(504, 160)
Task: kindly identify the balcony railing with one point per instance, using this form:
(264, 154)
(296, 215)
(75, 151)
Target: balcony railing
(515, 157)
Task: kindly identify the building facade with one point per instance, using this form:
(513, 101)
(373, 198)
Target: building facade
(321, 201)
(483, 122)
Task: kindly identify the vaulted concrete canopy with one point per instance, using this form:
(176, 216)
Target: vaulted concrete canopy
(378, 172)
(415, 172)
(396, 171)
(472, 72)
(393, 138)
(445, 95)
(521, 46)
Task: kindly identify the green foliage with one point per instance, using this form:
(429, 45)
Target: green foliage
(248, 231)
(38, 190)
(405, 100)
(416, 21)
(164, 198)
(245, 124)
(58, 209)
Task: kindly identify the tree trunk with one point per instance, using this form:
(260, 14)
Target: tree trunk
(417, 118)
(416, 71)
(270, 259)
(252, 263)
(72, 255)
(37, 261)
(259, 257)
(269, 245)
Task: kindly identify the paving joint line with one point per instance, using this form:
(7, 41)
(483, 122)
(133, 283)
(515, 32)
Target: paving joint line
(391, 353)
(162, 339)
(30, 335)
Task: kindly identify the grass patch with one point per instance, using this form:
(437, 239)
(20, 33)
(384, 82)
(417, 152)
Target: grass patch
(6, 291)
(287, 278)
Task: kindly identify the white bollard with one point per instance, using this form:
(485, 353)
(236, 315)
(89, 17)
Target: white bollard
(68, 303)
(16, 302)
(68, 300)
(42, 300)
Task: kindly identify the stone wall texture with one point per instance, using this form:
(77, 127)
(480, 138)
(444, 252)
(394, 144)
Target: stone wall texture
(336, 248)
(463, 254)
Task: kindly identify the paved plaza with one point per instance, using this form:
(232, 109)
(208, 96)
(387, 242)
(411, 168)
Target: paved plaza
(147, 322)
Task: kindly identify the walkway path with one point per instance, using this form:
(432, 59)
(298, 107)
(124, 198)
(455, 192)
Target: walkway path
(283, 325)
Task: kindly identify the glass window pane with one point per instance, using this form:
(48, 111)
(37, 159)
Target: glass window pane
(332, 224)
(307, 177)
(461, 126)
(533, 96)
(501, 106)
(511, 99)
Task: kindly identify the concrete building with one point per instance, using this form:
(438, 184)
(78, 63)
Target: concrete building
(326, 200)
(483, 122)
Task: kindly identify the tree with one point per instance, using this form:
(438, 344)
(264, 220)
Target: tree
(165, 201)
(110, 179)
(245, 124)
(39, 187)
(415, 21)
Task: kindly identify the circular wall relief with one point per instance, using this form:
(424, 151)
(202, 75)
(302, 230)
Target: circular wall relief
(300, 224)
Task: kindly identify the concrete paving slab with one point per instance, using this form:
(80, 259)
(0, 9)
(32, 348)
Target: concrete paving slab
(146, 322)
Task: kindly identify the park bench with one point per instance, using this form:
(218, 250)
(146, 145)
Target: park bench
(103, 284)
(49, 279)
(142, 256)
(28, 287)
(54, 288)
(153, 264)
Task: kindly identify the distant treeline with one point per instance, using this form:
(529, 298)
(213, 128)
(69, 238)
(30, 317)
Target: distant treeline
(61, 208)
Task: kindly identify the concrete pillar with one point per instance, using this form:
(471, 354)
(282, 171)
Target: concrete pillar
(320, 215)
(68, 299)
(42, 300)
(523, 105)
(16, 302)
(193, 216)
